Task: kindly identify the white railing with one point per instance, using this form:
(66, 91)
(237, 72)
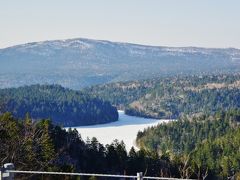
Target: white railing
(8, 172)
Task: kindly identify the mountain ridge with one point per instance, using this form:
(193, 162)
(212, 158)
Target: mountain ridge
(80, 62)
(117, 42)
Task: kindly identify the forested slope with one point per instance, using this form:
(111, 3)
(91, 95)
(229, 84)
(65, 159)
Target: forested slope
(174, 96)
(63, 106)
(121, 94)
(43, 146)
(206, 147)
(209, 145)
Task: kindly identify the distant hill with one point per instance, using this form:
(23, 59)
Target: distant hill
(77, 63)
(64, 106)
(173, 96)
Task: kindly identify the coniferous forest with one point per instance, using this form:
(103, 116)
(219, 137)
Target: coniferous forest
(173, 97)
(202, 143)
(203, 147)
(64, 106)
(44, 146)
(118, 90)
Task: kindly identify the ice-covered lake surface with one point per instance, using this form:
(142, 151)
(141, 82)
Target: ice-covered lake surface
(126, 129)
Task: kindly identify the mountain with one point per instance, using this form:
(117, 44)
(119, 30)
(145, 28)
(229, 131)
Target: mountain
(77, 63)
(63, 106)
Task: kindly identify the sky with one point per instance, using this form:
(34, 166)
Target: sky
(204, 23)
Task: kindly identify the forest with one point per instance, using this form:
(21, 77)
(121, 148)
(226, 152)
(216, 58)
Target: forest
(43, 146)
(168, 98)
(64, 106)
(172, 97)
(205, 148)
(209, 144)
(203, 143)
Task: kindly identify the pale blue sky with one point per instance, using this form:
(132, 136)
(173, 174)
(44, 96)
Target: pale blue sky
(206, 23)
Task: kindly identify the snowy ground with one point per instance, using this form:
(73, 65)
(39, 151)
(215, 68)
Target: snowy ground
(126, 129)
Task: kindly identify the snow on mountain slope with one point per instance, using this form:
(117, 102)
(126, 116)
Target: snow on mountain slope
(77, 63)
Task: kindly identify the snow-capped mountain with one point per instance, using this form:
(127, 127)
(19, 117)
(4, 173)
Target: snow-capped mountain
(77, 63)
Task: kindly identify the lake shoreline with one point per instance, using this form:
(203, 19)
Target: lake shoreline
(125, 129)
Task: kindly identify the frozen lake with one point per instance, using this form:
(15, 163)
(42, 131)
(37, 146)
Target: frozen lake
(126, 129)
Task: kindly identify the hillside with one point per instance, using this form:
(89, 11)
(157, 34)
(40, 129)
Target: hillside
(214, 153)
(183, 135)
(44, 146)
(121, 94)
(64, 106)
(208, 145)
(174, 96)
(77, 63)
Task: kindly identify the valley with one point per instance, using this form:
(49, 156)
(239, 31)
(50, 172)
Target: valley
(116, 90)
(100, 106)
